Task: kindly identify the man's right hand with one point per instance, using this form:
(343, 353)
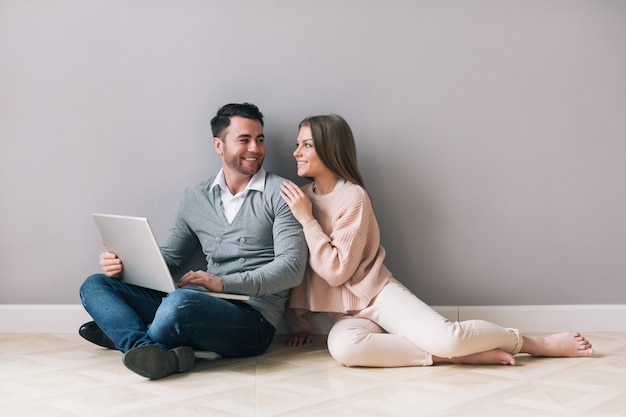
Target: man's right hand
(111, 265)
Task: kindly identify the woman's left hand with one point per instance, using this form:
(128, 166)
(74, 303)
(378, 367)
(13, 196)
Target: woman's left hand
(298, 202)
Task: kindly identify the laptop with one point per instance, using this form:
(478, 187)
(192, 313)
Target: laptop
(132, 240)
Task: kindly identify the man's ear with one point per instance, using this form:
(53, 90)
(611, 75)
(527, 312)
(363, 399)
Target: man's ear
(218, 144)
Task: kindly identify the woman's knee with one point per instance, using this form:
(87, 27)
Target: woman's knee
(345, 344)
(340, 349)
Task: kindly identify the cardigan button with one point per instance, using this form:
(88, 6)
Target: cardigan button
(242, 260)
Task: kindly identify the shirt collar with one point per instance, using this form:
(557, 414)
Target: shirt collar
(257, 182)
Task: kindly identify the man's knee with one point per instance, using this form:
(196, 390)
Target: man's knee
(92, 281)
(182, 299)
(182, 305)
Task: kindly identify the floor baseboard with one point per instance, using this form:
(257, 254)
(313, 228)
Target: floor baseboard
(66, 318)
(42, 318)
(552, 318)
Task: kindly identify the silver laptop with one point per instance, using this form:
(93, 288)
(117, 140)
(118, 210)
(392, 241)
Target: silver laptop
(132, 240)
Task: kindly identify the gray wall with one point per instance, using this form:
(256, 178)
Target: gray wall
(491, 134)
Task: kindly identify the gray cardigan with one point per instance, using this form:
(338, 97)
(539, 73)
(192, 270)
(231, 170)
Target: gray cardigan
(261, 254)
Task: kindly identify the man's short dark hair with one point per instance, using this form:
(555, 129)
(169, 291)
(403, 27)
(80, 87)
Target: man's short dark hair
(222, 120)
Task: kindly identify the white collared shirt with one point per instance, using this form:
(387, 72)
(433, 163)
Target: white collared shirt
(232, 203)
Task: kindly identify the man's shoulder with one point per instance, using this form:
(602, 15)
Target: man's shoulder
(200, 188)
(273, 181)
(203, 185)
(270, 176)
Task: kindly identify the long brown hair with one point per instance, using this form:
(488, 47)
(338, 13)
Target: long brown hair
(334, 144)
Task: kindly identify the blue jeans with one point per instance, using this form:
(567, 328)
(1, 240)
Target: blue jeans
(133, 316)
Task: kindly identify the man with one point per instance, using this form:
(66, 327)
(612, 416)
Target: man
(253, 246)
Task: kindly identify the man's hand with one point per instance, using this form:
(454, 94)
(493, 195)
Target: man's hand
(209, 281)
(299, 339)
(111, 265)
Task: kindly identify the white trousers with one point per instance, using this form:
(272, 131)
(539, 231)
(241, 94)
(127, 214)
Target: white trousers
(398, 329)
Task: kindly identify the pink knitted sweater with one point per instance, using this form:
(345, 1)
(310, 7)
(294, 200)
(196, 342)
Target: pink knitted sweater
(345, 270)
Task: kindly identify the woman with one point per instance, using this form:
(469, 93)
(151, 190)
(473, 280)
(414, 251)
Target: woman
(377, 322)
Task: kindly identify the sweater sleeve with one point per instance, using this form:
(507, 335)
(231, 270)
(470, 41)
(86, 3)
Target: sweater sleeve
(336, 256)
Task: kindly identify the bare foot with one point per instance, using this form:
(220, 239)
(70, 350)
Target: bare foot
(490, 357)
(569, 344)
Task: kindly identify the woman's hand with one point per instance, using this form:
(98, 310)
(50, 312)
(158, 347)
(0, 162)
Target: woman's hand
(297, 201)
(110, 264)
(299, 339)
(209, 281)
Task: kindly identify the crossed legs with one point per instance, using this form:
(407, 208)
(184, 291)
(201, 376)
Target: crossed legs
(398, 329)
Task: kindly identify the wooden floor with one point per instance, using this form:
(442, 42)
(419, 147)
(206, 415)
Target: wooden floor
(62, 375)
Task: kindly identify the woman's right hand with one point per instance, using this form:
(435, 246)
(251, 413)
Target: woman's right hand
(111, 265)
(298, 202)
(299, 339)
